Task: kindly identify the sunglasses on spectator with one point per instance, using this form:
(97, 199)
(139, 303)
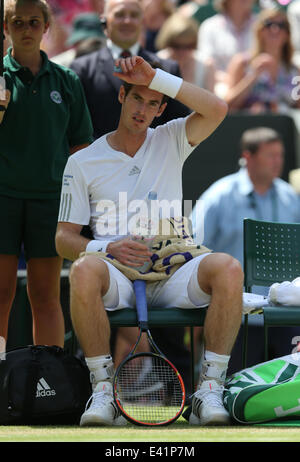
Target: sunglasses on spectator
(183, 46)
(276, 24)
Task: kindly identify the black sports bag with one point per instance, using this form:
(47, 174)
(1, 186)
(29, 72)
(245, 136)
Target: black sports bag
(42, 385)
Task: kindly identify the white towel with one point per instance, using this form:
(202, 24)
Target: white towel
(286, 293)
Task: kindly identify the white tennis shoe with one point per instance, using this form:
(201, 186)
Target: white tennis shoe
(101, 408)
(207, 405)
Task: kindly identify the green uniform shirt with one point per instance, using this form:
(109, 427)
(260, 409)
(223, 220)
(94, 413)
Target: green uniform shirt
(47, 115)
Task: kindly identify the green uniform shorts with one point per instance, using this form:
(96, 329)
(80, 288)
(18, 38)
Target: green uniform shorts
(31, 222)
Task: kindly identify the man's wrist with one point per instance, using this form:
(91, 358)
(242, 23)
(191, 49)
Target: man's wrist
(97, 246)
(166, 83)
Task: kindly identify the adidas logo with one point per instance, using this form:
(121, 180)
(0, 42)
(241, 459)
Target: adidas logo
(135, 171)
(43, 389)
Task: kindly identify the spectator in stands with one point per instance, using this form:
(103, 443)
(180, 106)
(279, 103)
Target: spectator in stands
(124, 27)
(225, 34)
(43, 119)
(85, 26)
(64, 11)
(155, 14)
(255, 191)
(262, 80)
(177, 40)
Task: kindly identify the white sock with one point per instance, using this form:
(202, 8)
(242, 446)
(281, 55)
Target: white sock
(101, 369)
(214, 366)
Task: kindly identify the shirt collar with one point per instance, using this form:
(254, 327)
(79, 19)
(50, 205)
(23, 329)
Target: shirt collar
(245, 184)
(244, 29)
(13, 65)
(115, 50)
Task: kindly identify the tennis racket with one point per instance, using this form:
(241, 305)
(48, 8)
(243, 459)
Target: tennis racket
(148, 389)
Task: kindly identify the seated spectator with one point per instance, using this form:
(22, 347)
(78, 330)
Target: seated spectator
(155, 14)
(262, 80)
(255, 191)
(85, 26)
(227, 33)
(177, 40)
(64, 11)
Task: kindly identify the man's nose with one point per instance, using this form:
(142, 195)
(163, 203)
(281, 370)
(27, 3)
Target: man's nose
(142, 107)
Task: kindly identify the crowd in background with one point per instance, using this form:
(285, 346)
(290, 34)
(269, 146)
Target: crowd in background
(240, 49)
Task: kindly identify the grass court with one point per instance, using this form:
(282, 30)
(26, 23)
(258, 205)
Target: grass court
(178, 432)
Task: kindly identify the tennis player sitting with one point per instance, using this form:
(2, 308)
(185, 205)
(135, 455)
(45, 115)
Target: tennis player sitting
(135, 160)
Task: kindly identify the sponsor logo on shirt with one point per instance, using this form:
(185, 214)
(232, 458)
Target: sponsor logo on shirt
(135, 171)
(67, 179)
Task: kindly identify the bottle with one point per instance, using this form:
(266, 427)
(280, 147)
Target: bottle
(148, 227)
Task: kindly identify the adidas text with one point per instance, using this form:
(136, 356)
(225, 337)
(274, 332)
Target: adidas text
(43, 393)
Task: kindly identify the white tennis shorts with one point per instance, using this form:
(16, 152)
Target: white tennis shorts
(181, 289)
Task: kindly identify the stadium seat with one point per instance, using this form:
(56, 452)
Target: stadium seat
(271, 254)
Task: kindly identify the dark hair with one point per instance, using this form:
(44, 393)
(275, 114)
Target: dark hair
(128, 86)
(253, 138)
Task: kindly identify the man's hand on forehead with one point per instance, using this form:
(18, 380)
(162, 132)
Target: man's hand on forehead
(134, 70)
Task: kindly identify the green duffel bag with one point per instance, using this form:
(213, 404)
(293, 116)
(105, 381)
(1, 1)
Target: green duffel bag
(266, 392)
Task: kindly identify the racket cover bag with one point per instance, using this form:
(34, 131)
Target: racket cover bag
(266, 392)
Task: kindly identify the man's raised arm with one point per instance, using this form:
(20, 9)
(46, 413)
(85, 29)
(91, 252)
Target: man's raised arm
(208, 110)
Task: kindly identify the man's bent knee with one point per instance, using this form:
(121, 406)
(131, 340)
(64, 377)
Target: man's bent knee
(89, 271)
(220, 268)
(233, 269)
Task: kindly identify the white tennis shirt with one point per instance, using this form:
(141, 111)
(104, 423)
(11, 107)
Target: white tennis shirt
(101, 186)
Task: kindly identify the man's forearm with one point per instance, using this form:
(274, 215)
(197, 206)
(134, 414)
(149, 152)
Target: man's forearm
(201, 101)
(70, 245)
(208, 110)
(197, 99)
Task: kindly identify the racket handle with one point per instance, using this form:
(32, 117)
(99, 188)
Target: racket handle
(141, 303)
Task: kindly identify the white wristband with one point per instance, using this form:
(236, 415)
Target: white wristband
(166, 83)
(97, 246)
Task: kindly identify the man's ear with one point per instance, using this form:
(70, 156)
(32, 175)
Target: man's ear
(121, 95)
(246, 155)
(161, 109)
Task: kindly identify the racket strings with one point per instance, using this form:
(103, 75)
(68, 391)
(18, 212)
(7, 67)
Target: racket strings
(149, 389)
